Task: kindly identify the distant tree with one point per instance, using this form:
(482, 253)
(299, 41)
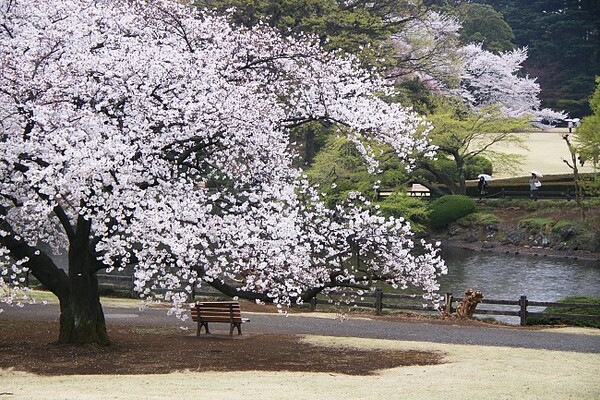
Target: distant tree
(572, 163)
(490, 98)
(427, 49)
(563, 40)
(339, 169)
(588, 139)
(489, 79)
(482, 24)
(431, 52)
(465, 137)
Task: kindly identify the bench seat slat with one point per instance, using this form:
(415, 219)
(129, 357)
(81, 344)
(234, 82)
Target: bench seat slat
(219, 319)
(217, 312)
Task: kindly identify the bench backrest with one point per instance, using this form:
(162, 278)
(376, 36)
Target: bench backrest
(217, 311)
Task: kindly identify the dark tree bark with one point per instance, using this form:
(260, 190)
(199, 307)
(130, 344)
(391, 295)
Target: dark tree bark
(309, 153)
(82, 320)
(442, 177)
(81, 314)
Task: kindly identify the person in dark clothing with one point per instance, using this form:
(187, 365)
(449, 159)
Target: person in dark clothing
(482, 187)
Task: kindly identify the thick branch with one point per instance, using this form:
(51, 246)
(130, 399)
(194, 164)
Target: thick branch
(39, 263)
(233, 291)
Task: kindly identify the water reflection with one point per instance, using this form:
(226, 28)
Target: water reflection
(508, 276)
(503, 276)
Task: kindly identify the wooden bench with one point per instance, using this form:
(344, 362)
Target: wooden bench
(228, 312)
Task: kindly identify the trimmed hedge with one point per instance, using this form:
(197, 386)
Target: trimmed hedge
(448, 209)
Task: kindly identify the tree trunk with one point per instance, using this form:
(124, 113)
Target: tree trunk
(460, 167)
(309, 151)
(81, 315)
(82, 318)
(577, 179)
(444, 178)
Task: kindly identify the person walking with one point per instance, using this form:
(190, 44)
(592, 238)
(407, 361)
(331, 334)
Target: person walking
(534, 185)
(482, 187)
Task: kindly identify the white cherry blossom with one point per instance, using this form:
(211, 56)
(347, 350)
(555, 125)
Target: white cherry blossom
(148, 132)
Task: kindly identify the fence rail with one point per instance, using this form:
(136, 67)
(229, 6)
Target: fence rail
(522, 306)
(393, 301)
(541, 194)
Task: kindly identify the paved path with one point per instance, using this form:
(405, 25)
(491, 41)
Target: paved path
(363, 328)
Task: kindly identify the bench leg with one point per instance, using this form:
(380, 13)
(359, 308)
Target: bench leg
(200, 325)
(237, 325)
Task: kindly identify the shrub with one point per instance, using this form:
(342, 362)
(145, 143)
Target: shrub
(567, 230)
(535, 225)
(410, 208)
(478, 165)
(478, 219)
(393, 178)
(448, 209)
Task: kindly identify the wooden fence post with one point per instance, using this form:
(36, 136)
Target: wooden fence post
(378, 301)
(448, 299)
(523, 310)
(313, 303)
(132, 289)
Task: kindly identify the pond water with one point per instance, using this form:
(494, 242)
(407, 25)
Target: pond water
(502, 276)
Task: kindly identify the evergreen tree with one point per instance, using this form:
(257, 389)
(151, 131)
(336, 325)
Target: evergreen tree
(483, 24)
(563, 38)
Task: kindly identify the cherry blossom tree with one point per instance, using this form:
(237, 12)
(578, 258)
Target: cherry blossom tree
(148, 132)
(484, 100)
(489, 79)
(429, 49)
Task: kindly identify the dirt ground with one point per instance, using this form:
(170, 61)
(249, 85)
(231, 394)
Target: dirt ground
(25, 346)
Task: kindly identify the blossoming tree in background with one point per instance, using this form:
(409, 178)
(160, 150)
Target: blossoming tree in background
(430, 49)
(148, 133)
(484, 102)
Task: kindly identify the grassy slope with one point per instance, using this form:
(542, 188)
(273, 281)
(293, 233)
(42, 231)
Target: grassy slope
(545, 152)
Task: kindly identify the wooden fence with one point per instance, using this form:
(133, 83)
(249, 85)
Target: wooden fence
(516, 308)
(541, 194)
(380, 301)
(500, 193)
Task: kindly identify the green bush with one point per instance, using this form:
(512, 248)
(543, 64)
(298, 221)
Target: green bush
(410, 208)
(448, 209)
(570, 310)
(478, 165)
(478, 219)
(536, 225)
(472, 168)
(393, 178)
